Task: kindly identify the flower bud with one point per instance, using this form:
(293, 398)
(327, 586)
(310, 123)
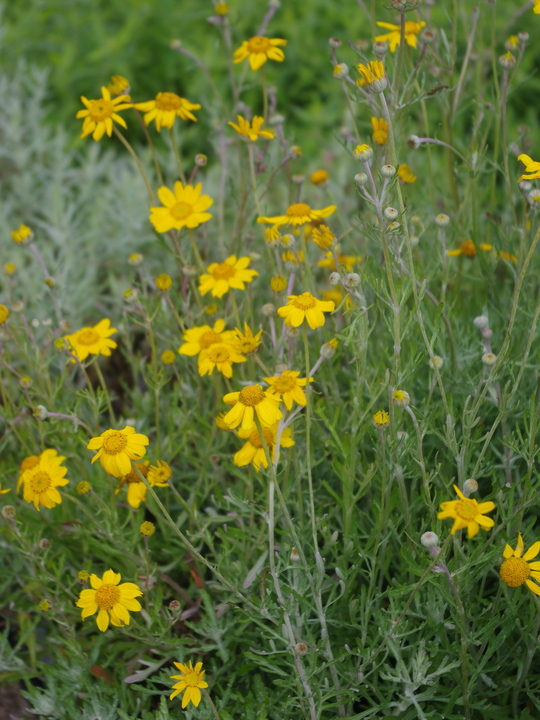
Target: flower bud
(200, 160)
(40, 412)
(436, 362)
(381, 419)
(268, 310)
(470, 486)
(83, 576)
(340, 71)
(329, 349)
(277, 119)
(401, 398)
(361, 178)
(427, 36)
(291, 332)
(414, 240)
(287, 241)
(390, 213)
(481, 322)
(295, 151)
(351, 281)
(25, 382)
(393, 227)
(298, 179)
(523, 37)
(278, 284)
(168, 357)
(363, 153)
(8, 511)
(489, 359)
(429, 540)
(507, 61)
(147, 529)
(533, 198)
(380, 48)
(442, 220)
(44, 544)
(334, 43)
(135, 259)
(83, 487)
(189, 271)
(300, 649)
(174, 606)
(334, 279)
(45, 605)
(414, 142)
(388, 171)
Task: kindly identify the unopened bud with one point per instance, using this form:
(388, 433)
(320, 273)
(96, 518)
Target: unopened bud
(442, 220)
(40, 412)
(363, 153)
(44, 544)
(298, 179)
(340, 71)
(351, 281)
(334, 43)
(429, 540)
(380, 48)
(174, 606)
(436, 362)
(334, 279)
(189, 271)
(470, 486)
(45, 605)
(361, 178)
(401, 398)
(300, 649)
(481, 322)
(507, 61)
(487, 333)
(287, 241)
(268, 310)
(427, 36)
(329, 349)
(388, 171)
(523, 37)
(414, 142)
(291, 332)
(489, 359)
(25, 382)
(390, 213)
(200, 160)
(295, 151)
(8, 511)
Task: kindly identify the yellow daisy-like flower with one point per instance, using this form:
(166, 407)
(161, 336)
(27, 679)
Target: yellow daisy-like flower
(117, 448)
(467, 513)
(405, 174)
(252, 131)
(320, 177)
(247, 342)
(168, 357)
(516, 568)
(202, 337)
(191, 680)
(373, 74)
(185, 207)
(536, 8)
(298, 214)
(505, 255)
(532, 168)
(22, 234)
(221, 277)
(348, 261)
(4, 314)
(253, 450)
(27, 464)
(249, 401)
(381, 419)
(278, 283)
(221, 8)
(136, 489)
(119, 85)
(259, 50)
(112, 602)
(468, 249)
(323, 237)
(41, 480)
(99, 114)
(163, 282)
(220, 356)
(380, 130)
(166, 107)
(305, 307)
(159, 474)
(288, 386)
(393, 38)
(92, 340)
(295, 258)
(10, 268)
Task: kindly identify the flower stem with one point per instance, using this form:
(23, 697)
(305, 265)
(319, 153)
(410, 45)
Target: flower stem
(211, 703)
(106, 391)
(177, 155)
(133, 154)
(253, 178)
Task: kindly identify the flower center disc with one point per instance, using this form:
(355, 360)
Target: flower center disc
(255, 438)
(40, 482)
(251, 395)
(100, 110)
(191, 679)
(107, 596)
(468, 248)
(259, 44)
(88, 337)
(219, 353)
(223, 271)
(209, 338)
(114, 444)
(514, 571)
(467, 509)
(181, 210)
(284, 384)
(304, 301)
(168, 101)
(298, 210)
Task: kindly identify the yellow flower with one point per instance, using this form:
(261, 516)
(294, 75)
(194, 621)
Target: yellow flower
(189, 683)
(220, 422)
(220, 356)
(211, 309)
(298, 214)
(537, 7)
(221, 8)
(119, 85)
(27, 464)
(348, 261)
(247, 342)
(10, 268)
(531, 166)
(202, 337)
(259, 50)
(147, 529)
(405, 174)
(159, 474)
(468, 249)
(136, 489)
(505, 255)
(272, 235)
(373, 74)
(99, 114)
(3, 492)
(516, 568)
(381, 419)
(253, 451)
(288, 386)
(83, 487)
(166, 107)
(512, 43)
(278, 283)
(289, 256)
(224, 276)
(320, 177)
(117, 448)
(250, 400)
(336, 296)
(467, 513)
(380, 130)
(252, 131)
(323, 237)
(305, 307)
(41, 480)
(112, 602)
(135, 259)
(168, 357)
(163, 281)
(4, 314)
(393, 38)
(92, 340)
(183, 208)
(22, 234)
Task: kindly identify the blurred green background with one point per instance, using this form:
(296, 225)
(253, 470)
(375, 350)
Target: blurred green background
(84, 42)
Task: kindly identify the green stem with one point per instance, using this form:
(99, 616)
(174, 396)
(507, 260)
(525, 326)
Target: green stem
(308, 441)
(253, 178)
(265, 93)
(177, 155)
(106, 391)
(133, 154)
